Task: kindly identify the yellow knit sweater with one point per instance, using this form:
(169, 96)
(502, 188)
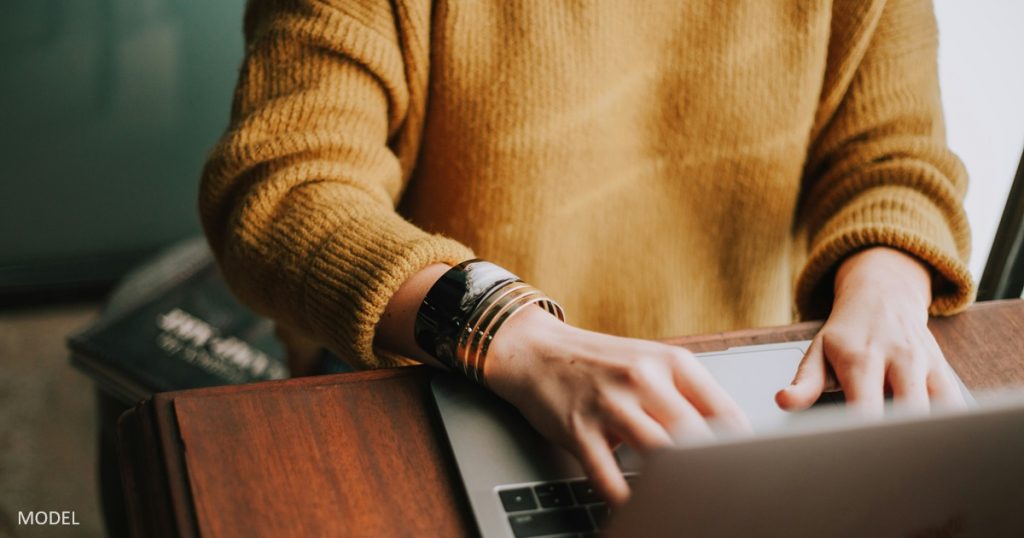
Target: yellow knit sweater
(660, 168)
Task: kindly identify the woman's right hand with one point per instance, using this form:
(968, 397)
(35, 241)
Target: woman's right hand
(589, 391)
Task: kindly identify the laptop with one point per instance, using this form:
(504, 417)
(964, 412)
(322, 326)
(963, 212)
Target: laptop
(801, 473)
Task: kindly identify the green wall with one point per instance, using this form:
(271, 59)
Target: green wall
(108, 109)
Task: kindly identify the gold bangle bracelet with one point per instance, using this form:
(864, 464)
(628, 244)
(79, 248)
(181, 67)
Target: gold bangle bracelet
(500, 296)
(542, 300)
(493, 319)
(462, 311)
(485, 321)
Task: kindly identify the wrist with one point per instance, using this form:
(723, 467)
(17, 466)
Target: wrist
(886, 272)
(466, 308)
(520, 342)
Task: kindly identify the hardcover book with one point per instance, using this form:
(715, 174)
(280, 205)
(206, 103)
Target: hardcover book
(172, 325)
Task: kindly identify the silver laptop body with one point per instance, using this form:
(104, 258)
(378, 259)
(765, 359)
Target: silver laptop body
(517, 481)
(949, 475)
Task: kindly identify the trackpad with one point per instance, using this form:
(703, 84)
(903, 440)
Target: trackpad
(753, 377)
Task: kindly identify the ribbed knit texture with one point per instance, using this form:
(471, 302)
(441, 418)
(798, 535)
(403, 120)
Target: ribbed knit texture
(660, 168)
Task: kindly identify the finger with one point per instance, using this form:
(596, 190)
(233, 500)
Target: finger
(702, 393)
(662, 400)
(943, 388)
(600, 465)
(862, 379)
(808, 383)
(636, 428)
(941, 382)
(677, 415)
(909, 387)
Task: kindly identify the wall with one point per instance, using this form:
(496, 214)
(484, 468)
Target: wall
(981, 72)
(115, 104)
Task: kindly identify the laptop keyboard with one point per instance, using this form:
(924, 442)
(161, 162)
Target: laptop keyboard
(560, 508)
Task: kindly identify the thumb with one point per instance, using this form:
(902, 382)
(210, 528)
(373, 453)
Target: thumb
(808, 383)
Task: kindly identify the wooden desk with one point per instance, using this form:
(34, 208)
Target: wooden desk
(363, 454)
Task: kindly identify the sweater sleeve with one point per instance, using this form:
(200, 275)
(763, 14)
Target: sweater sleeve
(298, 198)
(878, 171)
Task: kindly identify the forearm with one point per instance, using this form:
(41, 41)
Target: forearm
(879, 171)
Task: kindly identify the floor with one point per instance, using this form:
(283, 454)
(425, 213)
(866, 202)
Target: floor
(47, 422)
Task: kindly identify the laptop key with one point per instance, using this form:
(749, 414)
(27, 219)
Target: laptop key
(584, 492)
(554, 495)
(517, 500)
(600, 513)
(570, 520)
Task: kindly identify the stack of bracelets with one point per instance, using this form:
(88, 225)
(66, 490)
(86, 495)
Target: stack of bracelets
(464, 310)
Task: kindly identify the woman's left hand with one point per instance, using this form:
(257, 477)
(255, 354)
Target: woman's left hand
(876, 340)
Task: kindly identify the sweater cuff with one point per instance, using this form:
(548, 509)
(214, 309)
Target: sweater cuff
(896, 217)
(351, 281)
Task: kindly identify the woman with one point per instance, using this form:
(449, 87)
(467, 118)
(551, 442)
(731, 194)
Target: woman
(657, 168)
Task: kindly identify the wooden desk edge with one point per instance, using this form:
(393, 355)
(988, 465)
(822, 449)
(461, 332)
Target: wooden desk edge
(798, 331)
